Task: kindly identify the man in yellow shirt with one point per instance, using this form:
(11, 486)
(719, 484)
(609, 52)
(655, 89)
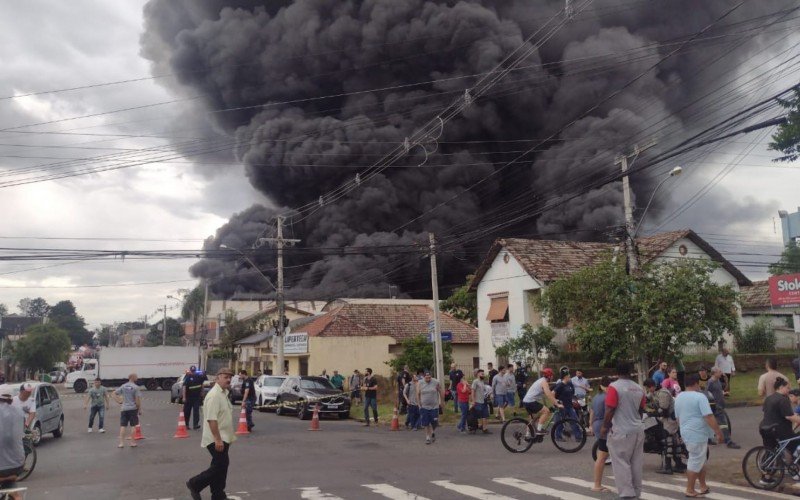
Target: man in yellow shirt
(218, 435)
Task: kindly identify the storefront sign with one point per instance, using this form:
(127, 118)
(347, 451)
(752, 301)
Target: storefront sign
(295, 343)
(784, 290)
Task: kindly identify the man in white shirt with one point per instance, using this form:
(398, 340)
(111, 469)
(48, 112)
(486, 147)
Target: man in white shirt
(24, 401)
(724, 362)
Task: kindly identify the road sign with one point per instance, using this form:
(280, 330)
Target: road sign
(446, 337)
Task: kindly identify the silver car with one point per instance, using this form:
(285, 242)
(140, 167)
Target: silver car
(49, 412)
(267, 389)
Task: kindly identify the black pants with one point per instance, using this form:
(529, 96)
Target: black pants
(401, 403)
(216, 475)
(192, 407)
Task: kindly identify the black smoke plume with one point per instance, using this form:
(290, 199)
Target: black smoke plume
(262, 68)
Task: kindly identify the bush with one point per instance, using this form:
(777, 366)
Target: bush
(758, 337)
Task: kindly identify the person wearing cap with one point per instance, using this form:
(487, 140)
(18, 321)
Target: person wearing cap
(536, 398)
(623, 429)
(24, 402)
(12, 452)
(596, 414)
(218, 435)
(192, 395)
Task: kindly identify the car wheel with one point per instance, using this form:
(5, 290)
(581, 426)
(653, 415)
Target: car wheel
(261, 404)
(151, 384)
(36, 434)
(79, 386)
(167, 384)
(279, 408)
(60, 430)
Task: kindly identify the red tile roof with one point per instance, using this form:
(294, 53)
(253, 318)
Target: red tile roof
(756, 296)
(549, 260)
(400, 322)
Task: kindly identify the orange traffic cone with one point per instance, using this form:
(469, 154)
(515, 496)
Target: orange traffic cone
(181, 431)
(315, 420)
(137, 433)
(242, 423)
(395, 421)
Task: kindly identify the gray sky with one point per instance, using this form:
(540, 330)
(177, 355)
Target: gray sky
(46, 45)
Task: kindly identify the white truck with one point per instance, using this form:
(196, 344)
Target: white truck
(156, 367)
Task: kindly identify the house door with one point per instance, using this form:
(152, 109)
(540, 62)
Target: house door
(304, 366)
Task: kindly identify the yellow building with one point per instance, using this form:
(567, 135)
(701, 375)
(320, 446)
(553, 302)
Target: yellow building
(367, 333)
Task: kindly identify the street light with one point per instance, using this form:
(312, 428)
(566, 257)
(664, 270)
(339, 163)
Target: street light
(245, 257)
(673, 173)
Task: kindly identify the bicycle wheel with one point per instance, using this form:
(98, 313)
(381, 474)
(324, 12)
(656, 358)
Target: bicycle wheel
(517, 435)
(762, 469)
(568, 435)
(29, 464)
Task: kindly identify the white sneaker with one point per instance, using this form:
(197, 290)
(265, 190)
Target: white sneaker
(89, 430)
(102, 431)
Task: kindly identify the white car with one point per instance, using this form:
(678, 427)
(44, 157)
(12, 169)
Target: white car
(49, 412)
(267, 388)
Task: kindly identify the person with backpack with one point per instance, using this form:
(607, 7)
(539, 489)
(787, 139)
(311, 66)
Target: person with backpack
(664, 405)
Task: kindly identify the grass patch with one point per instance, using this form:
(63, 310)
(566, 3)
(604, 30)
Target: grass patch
(745, 386)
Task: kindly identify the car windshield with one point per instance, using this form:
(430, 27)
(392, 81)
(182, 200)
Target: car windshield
(272, 382)
(315, 383)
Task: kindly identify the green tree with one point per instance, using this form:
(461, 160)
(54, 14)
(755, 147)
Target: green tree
(174, 333)
(787, 138)
(756, 338)
(531, 346)
(463, 304)
(193, 305)
(66, 317)
(418, 354)
(790, 260)
(655, 314)
(235, 330)
(3, 310)
(42, 347)
(35, 308)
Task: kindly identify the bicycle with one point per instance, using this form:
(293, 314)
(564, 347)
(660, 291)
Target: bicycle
(519, 434)
(764, 468)
(30, 456)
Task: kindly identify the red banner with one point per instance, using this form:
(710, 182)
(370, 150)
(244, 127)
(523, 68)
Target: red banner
(784, 290)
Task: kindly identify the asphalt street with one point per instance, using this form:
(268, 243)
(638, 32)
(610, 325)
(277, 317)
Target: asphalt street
(282, 459)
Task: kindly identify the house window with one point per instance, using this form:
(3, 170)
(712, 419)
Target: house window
(498, 310)
(476, 363)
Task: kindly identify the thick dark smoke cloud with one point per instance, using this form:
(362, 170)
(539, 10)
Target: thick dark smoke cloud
(248, 59)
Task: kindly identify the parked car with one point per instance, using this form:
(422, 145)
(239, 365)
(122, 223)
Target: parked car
(49, 411)
(236, 389)
(267, 387)
(301, 394)
(57, 376)
(176, 394)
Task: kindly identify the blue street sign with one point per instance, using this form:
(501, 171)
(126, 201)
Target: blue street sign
(446, 337)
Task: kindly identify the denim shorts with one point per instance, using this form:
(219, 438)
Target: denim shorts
(697, 456)
(510, 398)
(481, 410)
(428, 416)
(500, 400)
(129, 417)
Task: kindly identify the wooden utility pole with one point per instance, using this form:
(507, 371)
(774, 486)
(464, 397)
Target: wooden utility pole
(280, 242)
(437, 329)
(630, 228)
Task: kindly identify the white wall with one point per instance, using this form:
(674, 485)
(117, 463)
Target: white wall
(672, 254)
(502, 277)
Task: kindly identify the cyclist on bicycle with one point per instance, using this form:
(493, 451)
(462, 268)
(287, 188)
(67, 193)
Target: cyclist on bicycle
(777, 422)
(536, 398)
(12, 451)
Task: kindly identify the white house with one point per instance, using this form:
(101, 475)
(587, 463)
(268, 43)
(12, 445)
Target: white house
(515, 270)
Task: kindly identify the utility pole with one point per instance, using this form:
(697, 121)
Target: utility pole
(437, 329)
(630, 227)
(164, 332)
(280, 242)
(202, 338)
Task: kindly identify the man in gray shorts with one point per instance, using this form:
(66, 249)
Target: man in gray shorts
(128, 395)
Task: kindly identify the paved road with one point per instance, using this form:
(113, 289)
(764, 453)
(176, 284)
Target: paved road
(281, 459)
